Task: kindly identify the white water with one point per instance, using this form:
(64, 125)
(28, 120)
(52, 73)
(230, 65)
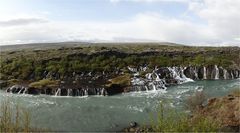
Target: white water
(232, 75)
(204, 73)
(111, 113)
(216, 72)
(58, 92)
(225, 74)
(179, 75)
(69, 93)
(21, 90)
(195, 73)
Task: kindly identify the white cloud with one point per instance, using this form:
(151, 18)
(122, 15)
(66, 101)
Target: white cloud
(222, 27)
(115, 1)
(22, 21)
(144, 26)
(222, 16)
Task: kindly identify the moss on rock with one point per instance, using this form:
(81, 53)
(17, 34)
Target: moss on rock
(44, 83)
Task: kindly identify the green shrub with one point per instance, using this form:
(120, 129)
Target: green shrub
(170, 120)
(195, 101)
(15, 119)
(122, 80)
(44, 83)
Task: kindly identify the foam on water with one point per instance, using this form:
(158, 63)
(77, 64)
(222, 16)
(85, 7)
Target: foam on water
(111, 113)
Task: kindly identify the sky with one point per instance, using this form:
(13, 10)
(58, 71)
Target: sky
(191, 22)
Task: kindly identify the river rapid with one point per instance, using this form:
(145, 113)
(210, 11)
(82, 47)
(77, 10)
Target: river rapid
(111, 113)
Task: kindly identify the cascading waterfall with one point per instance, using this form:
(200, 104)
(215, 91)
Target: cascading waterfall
(186, 79)
(146, 88)
(11, 89)
(58, 92)
(154, 87)
(204, 73)
(217, 72)
(20, 91)
(174, 74)
(151, 82)
(103, 92)
(158, 79)
(25, 90)
(179, 76)
(69, 93)
(225, 74)
(232, 75)
(149, 76)
(195, 73)
(86, 92)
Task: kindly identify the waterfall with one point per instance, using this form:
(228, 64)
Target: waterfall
(69, 92)
(184, 77)
(58, 92)
(232, 75)
(8, 90)
(195, 73)
(154, 87)
(85, 92)
(132, 69)
(25, 90)
(217, 72)
(224, 73)
(149, 76)
(172, 72)
(11, 89)
(19, 92)
(102, 91)
(204, 73)
(179, 76)
(146, 88)
(157, 78)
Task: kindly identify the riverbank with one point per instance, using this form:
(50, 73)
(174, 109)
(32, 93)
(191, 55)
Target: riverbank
(220, 114)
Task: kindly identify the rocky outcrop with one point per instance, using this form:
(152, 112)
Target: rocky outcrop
(225, 110)
(136, 79)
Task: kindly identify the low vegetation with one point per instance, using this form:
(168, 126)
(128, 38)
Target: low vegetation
(173, 121)
(122, 80)
(15, 119)
(30, 64)
(196, 101)
(44, 83)
(218, 115)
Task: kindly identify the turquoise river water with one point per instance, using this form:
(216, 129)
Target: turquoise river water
(111, 113)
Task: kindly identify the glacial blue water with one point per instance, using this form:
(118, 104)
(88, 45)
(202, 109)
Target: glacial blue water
(111, 113)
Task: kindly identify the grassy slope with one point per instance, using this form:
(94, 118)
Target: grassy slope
(20, 62)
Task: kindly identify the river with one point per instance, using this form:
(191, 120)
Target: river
(111, 113)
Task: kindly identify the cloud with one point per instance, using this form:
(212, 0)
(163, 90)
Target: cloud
(115, 1)
(221, 28)
(142, 27)
(222, 17)
(22, 21)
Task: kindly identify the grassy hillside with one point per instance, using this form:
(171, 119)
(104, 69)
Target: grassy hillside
(31, 63)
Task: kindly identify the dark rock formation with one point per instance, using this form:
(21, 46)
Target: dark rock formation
(97, 83)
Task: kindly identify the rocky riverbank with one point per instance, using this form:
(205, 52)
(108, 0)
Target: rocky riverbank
(225, 111)
(135, 79)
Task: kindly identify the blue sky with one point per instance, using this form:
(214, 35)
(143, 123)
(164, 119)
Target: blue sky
(94, 9)
(193, 22)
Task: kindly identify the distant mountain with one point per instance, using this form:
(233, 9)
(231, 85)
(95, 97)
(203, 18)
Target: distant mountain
(44, 46)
